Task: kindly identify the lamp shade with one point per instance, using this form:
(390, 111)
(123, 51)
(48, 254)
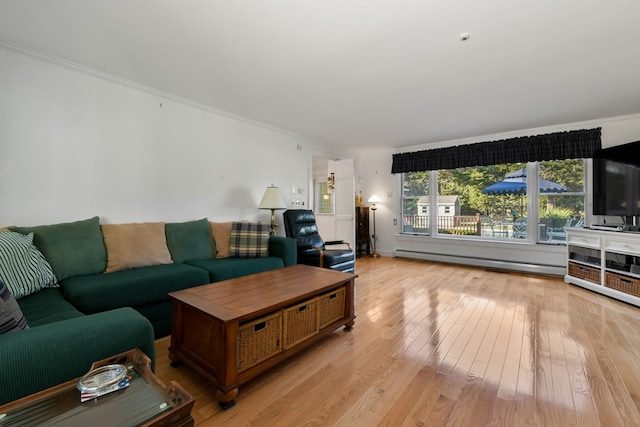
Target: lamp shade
(272, 199)
(374, 199)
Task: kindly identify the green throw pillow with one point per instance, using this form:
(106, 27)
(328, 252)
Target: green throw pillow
(190, 240)
(72, 248)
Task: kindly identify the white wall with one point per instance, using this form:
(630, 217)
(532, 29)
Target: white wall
(75, 143)
(376, 177)
(374, 170)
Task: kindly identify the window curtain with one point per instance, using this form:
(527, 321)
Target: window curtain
(576, 144)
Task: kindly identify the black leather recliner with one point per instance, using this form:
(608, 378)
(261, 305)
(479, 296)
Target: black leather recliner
(300, 224)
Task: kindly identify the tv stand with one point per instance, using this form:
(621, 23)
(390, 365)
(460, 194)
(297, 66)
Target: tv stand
(614, 227)
(605, 262)
(607, 227)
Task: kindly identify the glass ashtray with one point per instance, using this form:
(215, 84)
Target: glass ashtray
(102, 377)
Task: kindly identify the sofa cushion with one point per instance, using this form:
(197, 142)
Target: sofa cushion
(190, 240)
(222, 235)
(11, 317)
(229, 268)
(135, 287)
(23, 268)
(72, 248)
(159, 314)
(249, 240)
(135, 245)
(47, 306)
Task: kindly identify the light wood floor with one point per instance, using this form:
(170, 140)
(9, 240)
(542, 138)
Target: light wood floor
(438, 344)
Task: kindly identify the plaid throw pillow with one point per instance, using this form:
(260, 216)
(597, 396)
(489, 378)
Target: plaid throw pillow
(249, 240)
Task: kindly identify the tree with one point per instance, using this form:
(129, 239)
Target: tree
(414, 186)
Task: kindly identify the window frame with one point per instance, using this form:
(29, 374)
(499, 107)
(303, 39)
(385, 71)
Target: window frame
(532, 202)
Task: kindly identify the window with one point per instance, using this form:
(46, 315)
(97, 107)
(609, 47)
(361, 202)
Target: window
(491, 201)
(561, 209)
(323, 198)
(415, 202)
(487, 200)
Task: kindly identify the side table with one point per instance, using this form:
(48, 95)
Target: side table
(145, 402)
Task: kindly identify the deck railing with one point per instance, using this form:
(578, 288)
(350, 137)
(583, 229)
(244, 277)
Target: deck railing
(458, 224)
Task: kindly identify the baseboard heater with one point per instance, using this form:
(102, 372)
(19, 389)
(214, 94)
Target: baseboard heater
(552, 270)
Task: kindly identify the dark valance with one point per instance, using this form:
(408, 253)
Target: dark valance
(576, 144)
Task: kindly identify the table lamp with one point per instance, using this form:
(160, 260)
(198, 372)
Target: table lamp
(273, 200)
(373, 200)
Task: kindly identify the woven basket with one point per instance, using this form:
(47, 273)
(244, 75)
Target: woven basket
(300, 322)
(259, 340)
(584, 272)
(331, 307)
(625, 284)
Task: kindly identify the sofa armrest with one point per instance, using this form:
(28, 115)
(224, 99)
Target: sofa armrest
(285, 248)
(43, 356)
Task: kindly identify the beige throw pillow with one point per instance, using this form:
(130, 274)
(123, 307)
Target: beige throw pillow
(135, 245)
(222, 235)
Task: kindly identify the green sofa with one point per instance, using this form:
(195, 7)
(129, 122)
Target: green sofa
(60, 346)
(95, 312)
(146, 288)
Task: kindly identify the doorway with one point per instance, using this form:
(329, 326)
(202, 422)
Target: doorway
(334, 180)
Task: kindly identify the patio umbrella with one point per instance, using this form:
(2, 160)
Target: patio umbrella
(516, 183)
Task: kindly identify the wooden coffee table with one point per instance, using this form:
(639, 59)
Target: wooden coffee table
(146, 402)
(232, 331)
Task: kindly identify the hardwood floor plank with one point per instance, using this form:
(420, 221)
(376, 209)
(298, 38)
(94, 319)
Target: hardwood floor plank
(598, 385)
(505, 408)
(526, 388)
(628, 361)
(448, 345)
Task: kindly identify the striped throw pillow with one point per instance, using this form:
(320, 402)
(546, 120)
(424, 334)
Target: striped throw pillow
(23, 268)
(249, 240)
(11, 318)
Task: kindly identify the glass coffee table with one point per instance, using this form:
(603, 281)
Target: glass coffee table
(145, 402)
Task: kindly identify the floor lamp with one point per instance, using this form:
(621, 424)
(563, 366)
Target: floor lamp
(373, 200)
(272, 200)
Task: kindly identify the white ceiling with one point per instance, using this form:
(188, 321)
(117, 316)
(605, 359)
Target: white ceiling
(359, 73)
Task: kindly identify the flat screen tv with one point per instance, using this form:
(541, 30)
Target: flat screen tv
(616, 181)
